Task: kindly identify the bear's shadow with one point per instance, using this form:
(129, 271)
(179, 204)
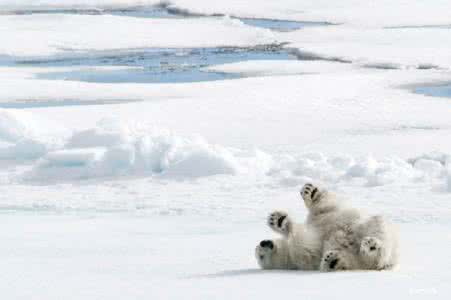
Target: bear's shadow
(247, 272)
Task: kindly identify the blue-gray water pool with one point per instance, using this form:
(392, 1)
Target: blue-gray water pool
(442, 90)
(156, 65)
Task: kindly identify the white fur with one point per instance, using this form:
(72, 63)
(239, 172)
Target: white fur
(333, 238)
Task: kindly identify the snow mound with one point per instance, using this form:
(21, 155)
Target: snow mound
(429, 167)
(366, 171)
(115, 149)
(16, 125)
(96, 137)
(23, 137)
(27, 149)
(108, 152)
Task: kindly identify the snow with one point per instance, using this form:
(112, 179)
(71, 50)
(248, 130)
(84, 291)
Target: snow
(117, 149)
(24, 5)
(276, 67)
(59, 34)
(378, 47)
(149, 190)
(387, 12)
(91, 154)
(15, 125)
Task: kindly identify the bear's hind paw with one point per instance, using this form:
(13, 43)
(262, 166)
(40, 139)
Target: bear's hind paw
(333, 261)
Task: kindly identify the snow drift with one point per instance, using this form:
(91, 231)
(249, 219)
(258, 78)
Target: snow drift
(102, 152)
(114, 148)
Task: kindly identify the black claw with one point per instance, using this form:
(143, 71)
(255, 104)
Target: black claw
(315, 190)
(280, 221)
(333, 263)
(267, 244)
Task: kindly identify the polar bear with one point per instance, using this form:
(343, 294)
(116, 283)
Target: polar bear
(333, 238)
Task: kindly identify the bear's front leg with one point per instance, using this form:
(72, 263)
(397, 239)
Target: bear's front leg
(280, 222)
